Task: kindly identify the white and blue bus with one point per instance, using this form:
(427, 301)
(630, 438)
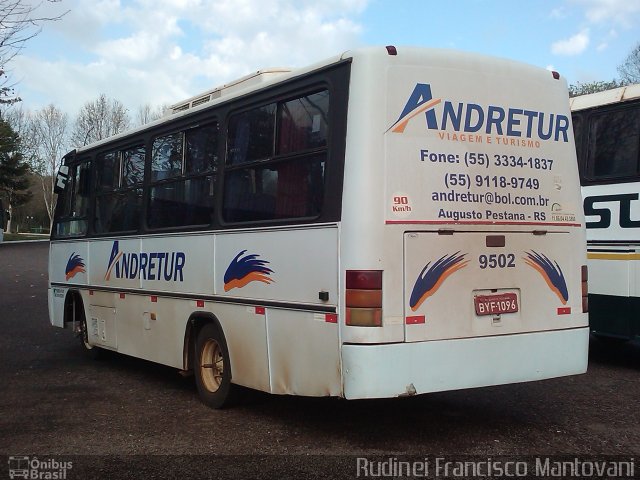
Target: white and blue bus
(385, 223)
(607, 132)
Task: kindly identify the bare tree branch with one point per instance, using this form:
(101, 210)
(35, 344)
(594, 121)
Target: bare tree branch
(99, 119)
(19, 23)
(629, 70)
(147, 113)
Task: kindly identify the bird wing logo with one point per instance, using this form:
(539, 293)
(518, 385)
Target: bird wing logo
(551, 273)
(75, 265)
(432, 277)
(421, 100)
(246, 269)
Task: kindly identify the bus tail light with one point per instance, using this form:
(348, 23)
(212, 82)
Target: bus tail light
(585, 289)
(363, 298)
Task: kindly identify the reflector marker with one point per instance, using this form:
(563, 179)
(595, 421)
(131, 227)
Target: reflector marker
(415, 319)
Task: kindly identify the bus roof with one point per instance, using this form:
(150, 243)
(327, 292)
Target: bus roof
(621, 94)
(230, 90)
(267, 77)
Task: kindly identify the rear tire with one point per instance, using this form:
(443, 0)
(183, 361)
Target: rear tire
(212, 368)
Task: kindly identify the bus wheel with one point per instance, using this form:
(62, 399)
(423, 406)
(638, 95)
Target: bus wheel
(213, 369)
(93, 352)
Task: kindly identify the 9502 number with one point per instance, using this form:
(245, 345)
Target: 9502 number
(502, 260)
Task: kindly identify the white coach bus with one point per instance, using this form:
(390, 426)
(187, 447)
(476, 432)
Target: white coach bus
(607, 132)
(386, 223)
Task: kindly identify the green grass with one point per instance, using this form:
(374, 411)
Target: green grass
(10, 237)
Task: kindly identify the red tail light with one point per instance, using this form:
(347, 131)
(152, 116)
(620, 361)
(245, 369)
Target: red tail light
(363, 298)
(585, 289)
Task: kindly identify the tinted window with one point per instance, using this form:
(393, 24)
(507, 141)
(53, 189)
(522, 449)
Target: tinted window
(614, 140)
(578, 133)
(201, 149)
(182, 202)
(74, 205)
(132, 166)
(119, 195)
(184, 196)
(251, 135)
(286, 180)
(282, 190)
(302, 123)
(118, 212)
(166, 160)
(108, 171)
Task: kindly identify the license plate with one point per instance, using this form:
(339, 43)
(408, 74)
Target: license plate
(496, 304)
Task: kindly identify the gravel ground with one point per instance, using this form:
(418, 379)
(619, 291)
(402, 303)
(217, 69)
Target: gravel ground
(126, 418)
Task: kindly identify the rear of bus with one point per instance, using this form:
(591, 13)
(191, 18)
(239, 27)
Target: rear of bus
(463, 252)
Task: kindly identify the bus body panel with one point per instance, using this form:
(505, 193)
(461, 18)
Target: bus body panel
(304, 353)
(376, 371)
(612, 212)
(287, 265)
(68, 263)
(138, 294)
(465, 147)
(414, 163)
(451, 282)
(614, 262)
(56, 296)
(607, 127)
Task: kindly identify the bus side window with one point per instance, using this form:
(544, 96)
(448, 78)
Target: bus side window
(578, 134)
(166, 157)
(251, 135)
(133, 166)
(614, 143)
(119, 190)
(183, 179)
(286, 179)
(75, 202)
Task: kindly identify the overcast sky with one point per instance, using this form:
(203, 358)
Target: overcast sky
(163, 51)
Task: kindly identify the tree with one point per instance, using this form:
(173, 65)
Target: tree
(147, 113)
(99, 119)
(592, 87)
(13, 169)
(19, 22)
(629, 70)
(47, 136)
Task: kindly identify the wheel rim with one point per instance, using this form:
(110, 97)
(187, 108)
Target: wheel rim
(211, 365)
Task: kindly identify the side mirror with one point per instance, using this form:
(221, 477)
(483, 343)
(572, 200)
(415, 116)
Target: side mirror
(61, 179)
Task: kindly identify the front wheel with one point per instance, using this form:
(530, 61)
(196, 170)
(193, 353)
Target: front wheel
(213, 369)
(96, 353)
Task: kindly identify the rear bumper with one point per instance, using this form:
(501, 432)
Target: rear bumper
(379, 371)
